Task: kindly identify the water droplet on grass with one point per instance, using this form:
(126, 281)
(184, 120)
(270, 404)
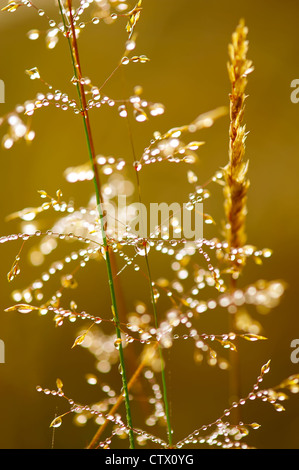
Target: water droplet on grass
(142, 248)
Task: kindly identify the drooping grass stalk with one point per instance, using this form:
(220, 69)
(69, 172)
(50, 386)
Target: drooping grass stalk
(92, 156)
(235, 173)
(164, 386)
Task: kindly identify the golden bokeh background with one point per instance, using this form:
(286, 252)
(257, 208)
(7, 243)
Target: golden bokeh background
(187, 44)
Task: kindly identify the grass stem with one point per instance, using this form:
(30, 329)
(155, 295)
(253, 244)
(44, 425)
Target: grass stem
(165, 398)
(92, 156)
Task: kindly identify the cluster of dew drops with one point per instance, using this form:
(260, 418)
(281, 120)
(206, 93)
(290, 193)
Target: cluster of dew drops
(141, 107)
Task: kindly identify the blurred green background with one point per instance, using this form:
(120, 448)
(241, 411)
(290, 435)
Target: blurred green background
(187, 44)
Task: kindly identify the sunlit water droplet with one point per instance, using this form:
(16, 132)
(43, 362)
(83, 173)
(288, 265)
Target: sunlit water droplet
(142, 248)
(56, 423)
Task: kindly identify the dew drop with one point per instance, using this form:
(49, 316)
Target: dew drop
(279, 407)
(157, 109)
(266, 252)
(137, 166)
(33, 34)
(7, 142)
(130, 45)
(56, 423)
(117, 343)
(255, 425)
(140, 115)
(122, 111)
(33, 73)
(91, 379)
(142, 248)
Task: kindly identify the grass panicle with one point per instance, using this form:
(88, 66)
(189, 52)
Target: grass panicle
(235, 172)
